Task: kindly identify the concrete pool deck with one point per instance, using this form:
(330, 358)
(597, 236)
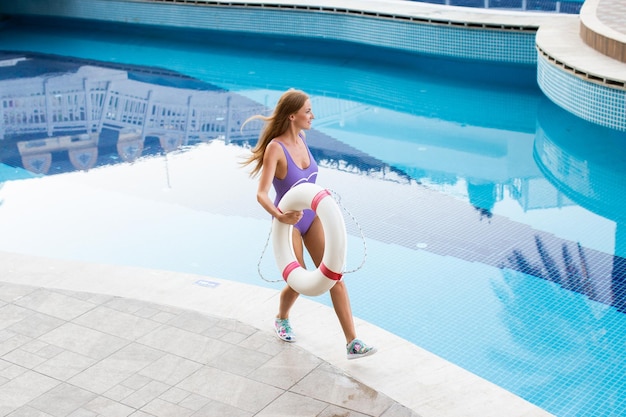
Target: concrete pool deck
(81, 339)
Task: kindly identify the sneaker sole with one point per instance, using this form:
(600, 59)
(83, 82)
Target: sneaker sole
(362, 355)
(292, 340)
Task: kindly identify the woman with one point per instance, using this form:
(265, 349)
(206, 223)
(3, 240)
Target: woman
(283, 160)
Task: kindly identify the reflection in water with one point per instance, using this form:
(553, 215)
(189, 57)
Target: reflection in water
(452, 157)
(579, 344)
(86, 113)
(587, 162)
(75, 113)
(78, 116)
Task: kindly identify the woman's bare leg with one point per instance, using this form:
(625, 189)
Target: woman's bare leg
(314, 241)
(288, 296)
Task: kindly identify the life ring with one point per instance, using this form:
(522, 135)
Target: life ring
(330, 271)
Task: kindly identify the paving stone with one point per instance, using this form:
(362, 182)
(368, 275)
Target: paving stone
(36, 325)
(183, 343)
(13, 341)
(105, 407)
(11, 292)
(11, 314)
(194, 402)
(160, 408)
(170, 369)
(85, 341)
(54, 304)
(286, 368)
(330, 386)
(145, 394)
(294, 405)
(62, 400)
(175, 395)
(23, 389)
(193, 321)
(231, 389)
(65, 365)
(116, 368)
(27, 411)
(216, 408)
(239, 360)
(23, 358)
(117, 323)
(118, 393)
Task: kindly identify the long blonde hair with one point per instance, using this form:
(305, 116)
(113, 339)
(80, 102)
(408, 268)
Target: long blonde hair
(275, 125)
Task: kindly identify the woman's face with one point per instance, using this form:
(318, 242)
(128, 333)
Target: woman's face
(303, 117)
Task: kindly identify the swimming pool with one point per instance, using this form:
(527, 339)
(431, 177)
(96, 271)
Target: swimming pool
(492, 228)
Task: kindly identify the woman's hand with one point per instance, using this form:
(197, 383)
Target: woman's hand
(290, 217)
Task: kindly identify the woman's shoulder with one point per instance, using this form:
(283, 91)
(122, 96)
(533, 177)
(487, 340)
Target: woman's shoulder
(275, 144)
(274, 149)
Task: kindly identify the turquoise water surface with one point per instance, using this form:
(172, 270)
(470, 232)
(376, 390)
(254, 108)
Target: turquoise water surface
(491, 217)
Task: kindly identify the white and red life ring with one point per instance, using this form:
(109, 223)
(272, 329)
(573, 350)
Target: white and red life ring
(318, 281)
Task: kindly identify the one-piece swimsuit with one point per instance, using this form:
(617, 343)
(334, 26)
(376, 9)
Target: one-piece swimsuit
(296, 175)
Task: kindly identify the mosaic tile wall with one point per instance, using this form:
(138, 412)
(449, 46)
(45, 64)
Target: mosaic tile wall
(505, 45)
(593, 102)
(590, 101)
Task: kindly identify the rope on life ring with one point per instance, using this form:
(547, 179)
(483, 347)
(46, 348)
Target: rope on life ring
(330, 271)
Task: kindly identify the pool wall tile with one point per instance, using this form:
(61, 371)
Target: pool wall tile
(401, 28)
(593, 102)
(447, 38)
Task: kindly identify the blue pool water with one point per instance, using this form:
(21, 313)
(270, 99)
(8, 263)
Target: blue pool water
(492, 218)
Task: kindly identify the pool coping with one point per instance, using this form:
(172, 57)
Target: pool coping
(397, 9)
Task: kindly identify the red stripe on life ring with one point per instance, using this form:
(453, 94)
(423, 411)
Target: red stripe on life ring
(290, 267)
(328, 273)
(319, 197)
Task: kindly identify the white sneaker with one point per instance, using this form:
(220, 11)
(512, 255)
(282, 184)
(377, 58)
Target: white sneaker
(283, 330)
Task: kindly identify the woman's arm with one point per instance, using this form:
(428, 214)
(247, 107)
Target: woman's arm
(271, 159)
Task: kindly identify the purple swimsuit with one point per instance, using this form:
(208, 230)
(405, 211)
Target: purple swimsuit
(296, 175)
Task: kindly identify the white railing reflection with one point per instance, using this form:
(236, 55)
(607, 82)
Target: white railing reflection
(68, 113)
